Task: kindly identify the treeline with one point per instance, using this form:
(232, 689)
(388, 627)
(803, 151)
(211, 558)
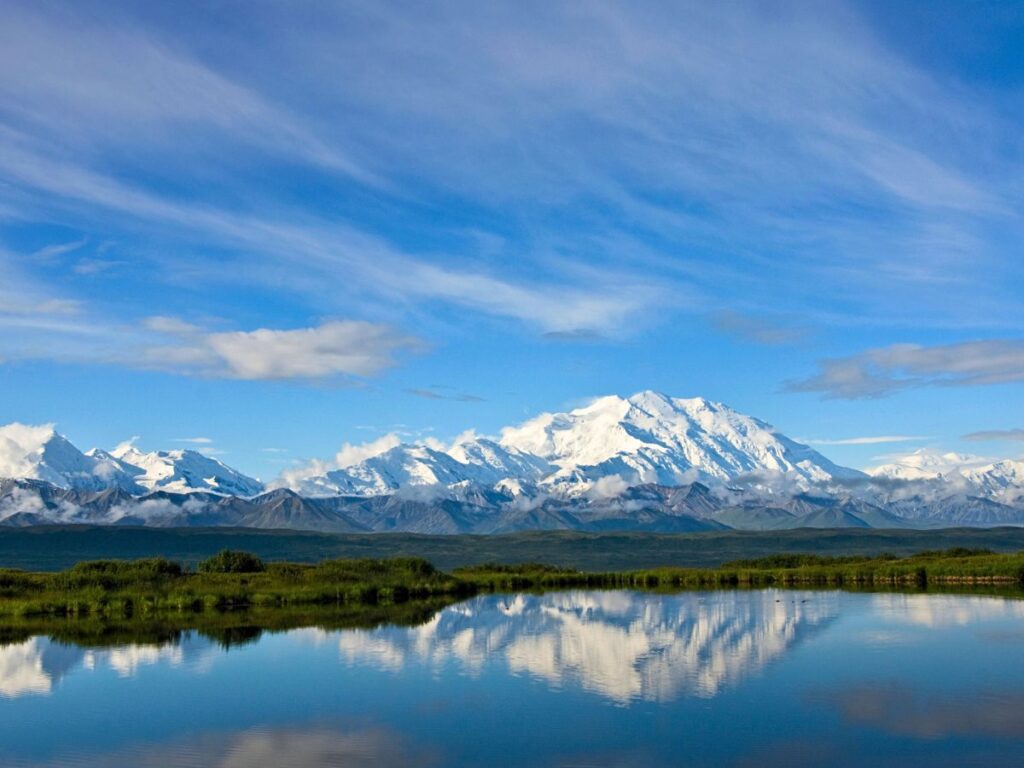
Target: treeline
(239, 580)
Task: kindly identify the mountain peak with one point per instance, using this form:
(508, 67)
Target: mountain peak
(658, 403)
(185, 470)
(927, 463)
(39, 452)
(653, 397)
(613, 442)
(650, 437)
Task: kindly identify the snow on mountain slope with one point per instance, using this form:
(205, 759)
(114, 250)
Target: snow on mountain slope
(1002, 480)
(638, 450)
(926, 464)
(500, 461)
(599, 450)
(41, 453)
(182, 471)
(652, 438)
(477, 461)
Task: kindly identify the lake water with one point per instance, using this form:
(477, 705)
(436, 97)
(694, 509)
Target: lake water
(577, 678)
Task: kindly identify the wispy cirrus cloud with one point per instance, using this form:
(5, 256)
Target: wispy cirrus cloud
(587, 175)
(758, 330)
(886, 370)
(55, 250)
(867, 440)
(603, 131)
(432, 393)
(305, 256)
(67, 63)
(994, 435)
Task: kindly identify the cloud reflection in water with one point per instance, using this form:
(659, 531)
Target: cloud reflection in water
(620, 645)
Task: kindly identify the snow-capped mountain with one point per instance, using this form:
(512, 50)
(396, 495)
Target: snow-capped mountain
(652, 438)
(1002, 480)
(476, 461)
(926, 464)
(41, 453)
(646, 462)
(610, 445)
(181, 471)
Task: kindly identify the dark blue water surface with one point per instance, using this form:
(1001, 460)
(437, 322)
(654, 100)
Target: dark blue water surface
(765, 678)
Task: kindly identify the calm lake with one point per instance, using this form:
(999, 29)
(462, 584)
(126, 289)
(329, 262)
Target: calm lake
(576, 678)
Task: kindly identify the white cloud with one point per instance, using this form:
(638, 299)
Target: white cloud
(885, 370)
(126, 445)
(38, 307)
(117, 81)
(995, 434)
(20, 448)
(869, 440)
(555, 308)
(55, 250)
(608, 486)
(603, 130)
(24, 302)
(308, 256)
(758, 330)
(194, 440)
(95, 266)
(336, 348)
(613, 146)
(432, 393)
(349, 454)
(170, 325)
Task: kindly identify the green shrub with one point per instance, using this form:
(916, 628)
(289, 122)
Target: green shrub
(231, 561)
(148, 567)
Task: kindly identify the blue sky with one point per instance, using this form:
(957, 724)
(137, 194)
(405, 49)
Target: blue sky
(287, 226)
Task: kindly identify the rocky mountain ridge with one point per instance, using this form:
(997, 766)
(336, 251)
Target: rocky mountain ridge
(644, 462)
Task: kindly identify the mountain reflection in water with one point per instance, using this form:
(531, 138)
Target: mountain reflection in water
(37, 665)
(718, 678)
(621, 645)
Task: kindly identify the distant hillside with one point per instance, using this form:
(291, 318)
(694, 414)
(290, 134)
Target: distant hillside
(56, 547)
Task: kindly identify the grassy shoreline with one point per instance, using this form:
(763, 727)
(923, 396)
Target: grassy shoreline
(237, 581)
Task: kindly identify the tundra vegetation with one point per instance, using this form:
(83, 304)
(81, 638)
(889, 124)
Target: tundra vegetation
(237, 581)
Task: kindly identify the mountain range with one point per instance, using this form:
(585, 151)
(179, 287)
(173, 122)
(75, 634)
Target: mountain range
(644, 462)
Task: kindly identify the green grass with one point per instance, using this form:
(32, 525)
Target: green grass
(234, 597)
(954, 566)
(153, 587)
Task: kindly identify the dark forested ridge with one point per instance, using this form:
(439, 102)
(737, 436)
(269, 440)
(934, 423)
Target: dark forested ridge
(56, 547)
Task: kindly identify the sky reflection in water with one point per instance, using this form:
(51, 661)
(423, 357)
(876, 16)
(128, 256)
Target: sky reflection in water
(571, 678)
